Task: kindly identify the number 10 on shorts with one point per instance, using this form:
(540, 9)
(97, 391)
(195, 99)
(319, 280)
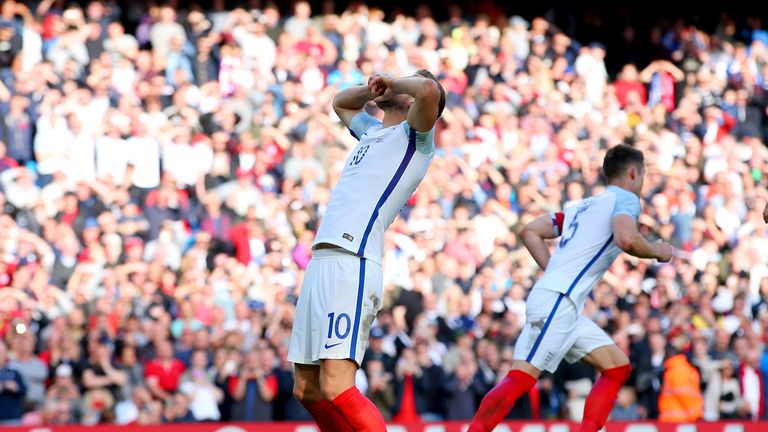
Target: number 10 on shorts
(339, 326)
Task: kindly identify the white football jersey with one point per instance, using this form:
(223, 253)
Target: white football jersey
(379, 177)
(586, 250)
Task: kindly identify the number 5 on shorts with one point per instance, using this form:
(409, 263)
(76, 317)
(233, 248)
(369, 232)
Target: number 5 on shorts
(334, 325)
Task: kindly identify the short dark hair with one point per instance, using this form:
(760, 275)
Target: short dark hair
(619, 159)
(427, 74)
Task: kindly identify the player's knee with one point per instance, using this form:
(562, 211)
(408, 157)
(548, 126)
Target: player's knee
(619, 374)
(331, 388)
(336, 376)
(626, 371)
(306, 394)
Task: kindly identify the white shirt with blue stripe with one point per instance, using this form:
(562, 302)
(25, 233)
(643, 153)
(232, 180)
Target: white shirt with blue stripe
(380, 175)
(586, 249)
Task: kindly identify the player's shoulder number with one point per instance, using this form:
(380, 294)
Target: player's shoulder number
(359, 155)
(574, 225)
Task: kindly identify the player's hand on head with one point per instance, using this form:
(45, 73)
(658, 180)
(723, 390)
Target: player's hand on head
(373, 77)
(379, 84)
(665, 251)
(386, 95)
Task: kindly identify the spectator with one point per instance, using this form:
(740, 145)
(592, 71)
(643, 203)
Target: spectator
(345, 76)
(164, 372)
(203, 394)
(30, 367)
(463, 389)
(101, 373)
(661, 76)
(140, 408)
(748, 115)
(680, 399)
(248, 240)
(259, 50)
(53, 412)
(12, 390)
(626, 407)
(177, 410)
(144, 159)
(68, 49)
(215, 219)
(165, 30)
(629, 83)
(253, 390)
(134, 370)
(751, 383)
(63, 351)
(648, 360)
(19, 187)
(118, 44)
(20, 115)
(286, 406)
(381, 390)
(63, 387)
(299, 22)
(66, 256)
(723, 399)
(374, 352)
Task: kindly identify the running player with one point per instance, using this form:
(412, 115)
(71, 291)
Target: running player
(592, 232)
(341, 293)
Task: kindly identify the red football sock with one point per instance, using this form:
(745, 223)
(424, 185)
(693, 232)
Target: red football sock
(361, 414)
(499, 401)
(327, 417)
(602, 397)
(533, 396)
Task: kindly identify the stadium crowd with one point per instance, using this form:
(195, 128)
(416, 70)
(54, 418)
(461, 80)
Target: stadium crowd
(161, 186)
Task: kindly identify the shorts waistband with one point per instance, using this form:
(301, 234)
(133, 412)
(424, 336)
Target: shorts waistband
(333, 252)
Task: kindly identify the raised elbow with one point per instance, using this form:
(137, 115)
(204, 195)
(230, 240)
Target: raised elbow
(527, 234)
(524, 232)
(335, 103)
(429, 90)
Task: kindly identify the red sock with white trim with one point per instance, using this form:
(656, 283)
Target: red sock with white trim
(602, 397)
(361, 414)
(327, 417)
(499, 401)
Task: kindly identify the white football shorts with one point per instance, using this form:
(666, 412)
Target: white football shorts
(339, 299)
(555, 330)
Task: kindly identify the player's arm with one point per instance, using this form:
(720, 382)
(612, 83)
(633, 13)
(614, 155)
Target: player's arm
(426, 94)
(351, 101)
(535, 234)
(630, 240)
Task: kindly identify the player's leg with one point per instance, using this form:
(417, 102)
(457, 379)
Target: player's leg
(345, 339)
(303, 349)
(337, 382)
(500, 400)
(613, 364)
(550, 327)
(306, 389)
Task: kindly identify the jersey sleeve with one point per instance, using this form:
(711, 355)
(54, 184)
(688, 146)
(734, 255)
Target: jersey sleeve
(425, 141)
(626, 203)
(360, 124)
(557, 223)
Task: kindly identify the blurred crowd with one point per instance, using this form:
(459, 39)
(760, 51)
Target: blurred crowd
(161, 184)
